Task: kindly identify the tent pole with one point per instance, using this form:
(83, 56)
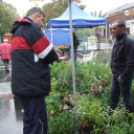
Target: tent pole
(72, 59)
(109, 29)
(87, 42)
(91, 40)
(107, 43)
(51, 36)
(84, 46)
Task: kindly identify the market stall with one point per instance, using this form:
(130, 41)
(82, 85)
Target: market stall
(80, 19)
(76, 18)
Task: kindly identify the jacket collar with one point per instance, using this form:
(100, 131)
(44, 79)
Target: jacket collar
(28, 19)
(19, 22)
(121, 39)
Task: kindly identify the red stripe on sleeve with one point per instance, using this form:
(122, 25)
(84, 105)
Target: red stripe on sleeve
(40, 45)
(19, 43)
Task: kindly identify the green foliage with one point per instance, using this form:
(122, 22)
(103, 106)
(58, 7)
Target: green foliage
(91, 111)
(54, 83)
(132, 91)
(57, 68)
(117, 123)
(94, 106)
(8, 15)
(100, 118)
(63, 124)
(87, 31)
(53, 104)
(98, 14)
(93, 76)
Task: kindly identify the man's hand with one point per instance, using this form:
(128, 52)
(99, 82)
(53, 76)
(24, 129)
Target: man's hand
(58, 56)
(63, 58)
(120, 80)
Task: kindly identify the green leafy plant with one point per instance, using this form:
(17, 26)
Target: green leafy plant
(94, 106)
(54, 104)
(63, 124)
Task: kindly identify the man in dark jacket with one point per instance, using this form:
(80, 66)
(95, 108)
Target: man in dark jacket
(31, 54)
(122, 65)
(75, 43)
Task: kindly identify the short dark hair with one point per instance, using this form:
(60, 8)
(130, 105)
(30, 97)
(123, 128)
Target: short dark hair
(35, 10)
(121, 23)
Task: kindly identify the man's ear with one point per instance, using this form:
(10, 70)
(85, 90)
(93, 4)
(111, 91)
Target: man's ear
(35, 16)
(123, 28)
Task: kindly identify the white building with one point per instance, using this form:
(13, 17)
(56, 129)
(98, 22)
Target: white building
(34, 3)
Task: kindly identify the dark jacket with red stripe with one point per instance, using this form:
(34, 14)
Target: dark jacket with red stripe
(31, 54)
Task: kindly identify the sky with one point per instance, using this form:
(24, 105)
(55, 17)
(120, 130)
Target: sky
(91, 5)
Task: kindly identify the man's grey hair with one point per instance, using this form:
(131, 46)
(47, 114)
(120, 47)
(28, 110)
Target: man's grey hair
(35, 10)
(120, 23)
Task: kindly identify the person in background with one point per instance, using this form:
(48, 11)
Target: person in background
(75, 44)
(97, 34)
(110, 40)
(122, 65)
(5, 51)
(31, 55)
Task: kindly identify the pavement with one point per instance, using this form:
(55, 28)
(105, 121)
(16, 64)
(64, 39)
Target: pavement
(5, 81)
(5, 88)
(11, 114)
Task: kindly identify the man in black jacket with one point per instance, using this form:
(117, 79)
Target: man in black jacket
(31, 54)
(122, 65)
(75, 43)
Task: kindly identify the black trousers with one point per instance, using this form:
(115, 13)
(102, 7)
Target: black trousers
(35, 115)
(125, 90)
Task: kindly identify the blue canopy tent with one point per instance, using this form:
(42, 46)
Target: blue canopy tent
(60, 36)
(80, 19)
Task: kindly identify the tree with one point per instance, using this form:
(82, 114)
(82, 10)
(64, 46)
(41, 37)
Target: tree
(8, 14)
(98, 14)
(79, 32)
(56, 8)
